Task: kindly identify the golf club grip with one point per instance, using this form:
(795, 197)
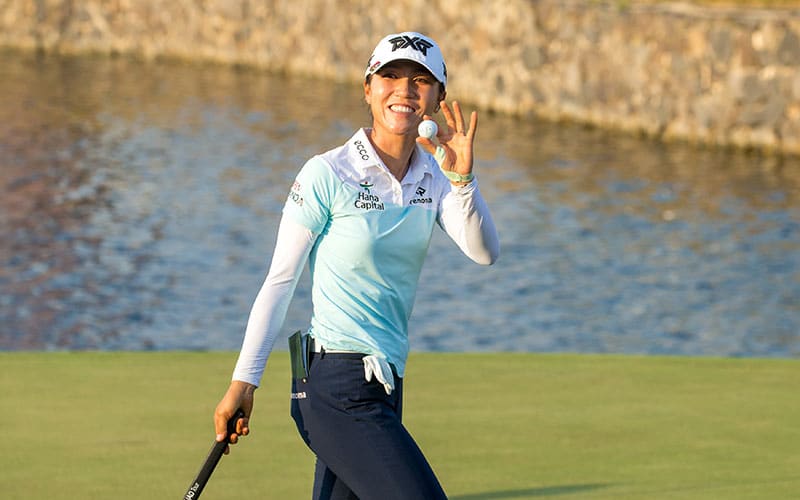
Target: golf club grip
(212, 460)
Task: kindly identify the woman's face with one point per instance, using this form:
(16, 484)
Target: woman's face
(399, 94)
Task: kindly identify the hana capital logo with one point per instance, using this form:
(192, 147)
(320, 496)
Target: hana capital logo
(366, 200)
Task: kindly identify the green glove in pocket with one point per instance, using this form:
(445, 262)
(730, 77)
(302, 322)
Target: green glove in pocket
(298, 353)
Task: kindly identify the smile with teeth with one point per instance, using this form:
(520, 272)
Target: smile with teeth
(399, 108)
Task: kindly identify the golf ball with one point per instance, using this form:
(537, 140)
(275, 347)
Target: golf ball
(428, 129)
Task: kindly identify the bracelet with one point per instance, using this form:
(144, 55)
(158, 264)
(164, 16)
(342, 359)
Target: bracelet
(456, 177)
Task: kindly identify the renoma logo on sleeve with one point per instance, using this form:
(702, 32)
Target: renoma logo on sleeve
(367, 200)
(416, 43)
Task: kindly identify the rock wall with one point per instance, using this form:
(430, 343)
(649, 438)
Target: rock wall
(707, 74)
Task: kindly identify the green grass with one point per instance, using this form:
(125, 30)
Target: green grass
(499, 426)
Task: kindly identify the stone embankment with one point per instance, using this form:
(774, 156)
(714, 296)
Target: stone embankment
(713, 75)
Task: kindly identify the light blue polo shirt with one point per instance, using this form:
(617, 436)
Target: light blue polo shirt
(374, 233)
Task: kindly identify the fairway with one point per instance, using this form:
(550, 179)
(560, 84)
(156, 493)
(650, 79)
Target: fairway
(494, 426)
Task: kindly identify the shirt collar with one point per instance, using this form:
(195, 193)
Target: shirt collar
(363, 156)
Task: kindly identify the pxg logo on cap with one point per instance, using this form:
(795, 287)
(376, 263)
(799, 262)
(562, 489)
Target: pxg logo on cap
(416, 43)
(409, 46)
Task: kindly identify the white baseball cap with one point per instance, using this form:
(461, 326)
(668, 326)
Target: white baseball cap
(410, 46)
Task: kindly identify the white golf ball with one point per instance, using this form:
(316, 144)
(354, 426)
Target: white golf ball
(428, 129)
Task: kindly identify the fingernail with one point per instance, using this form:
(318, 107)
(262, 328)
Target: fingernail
(220, 437)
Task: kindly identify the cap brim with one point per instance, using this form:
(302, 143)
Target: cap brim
(427, 68)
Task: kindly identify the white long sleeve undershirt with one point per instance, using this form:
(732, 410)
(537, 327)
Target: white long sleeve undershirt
(292, 247)
(466, 219)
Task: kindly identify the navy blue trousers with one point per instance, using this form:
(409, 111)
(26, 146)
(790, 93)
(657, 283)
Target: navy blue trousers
(363, 450)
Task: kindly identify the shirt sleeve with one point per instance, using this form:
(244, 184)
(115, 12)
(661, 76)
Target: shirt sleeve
(311, 195)
(465, 217)
(293, 245)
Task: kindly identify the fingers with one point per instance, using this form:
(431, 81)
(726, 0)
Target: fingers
(243, 426)
(427, 144)
(448, 115)
(459, 117)
(238, 396)
(436, 149)
(241, 430)
(455, 119)
(473, 125)
(221, 424)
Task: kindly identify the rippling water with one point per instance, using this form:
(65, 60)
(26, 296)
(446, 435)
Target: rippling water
(140, 203)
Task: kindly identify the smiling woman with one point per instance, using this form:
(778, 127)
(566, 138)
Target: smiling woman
(399, 94)
(404, 82)
(396, 94)
(362, 215)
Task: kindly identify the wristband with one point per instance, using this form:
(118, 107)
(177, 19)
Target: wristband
(453, 176)
(456, 177)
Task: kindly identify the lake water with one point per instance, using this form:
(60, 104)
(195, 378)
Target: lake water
(139, 204)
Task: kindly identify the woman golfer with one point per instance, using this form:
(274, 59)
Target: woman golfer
(362, 216)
